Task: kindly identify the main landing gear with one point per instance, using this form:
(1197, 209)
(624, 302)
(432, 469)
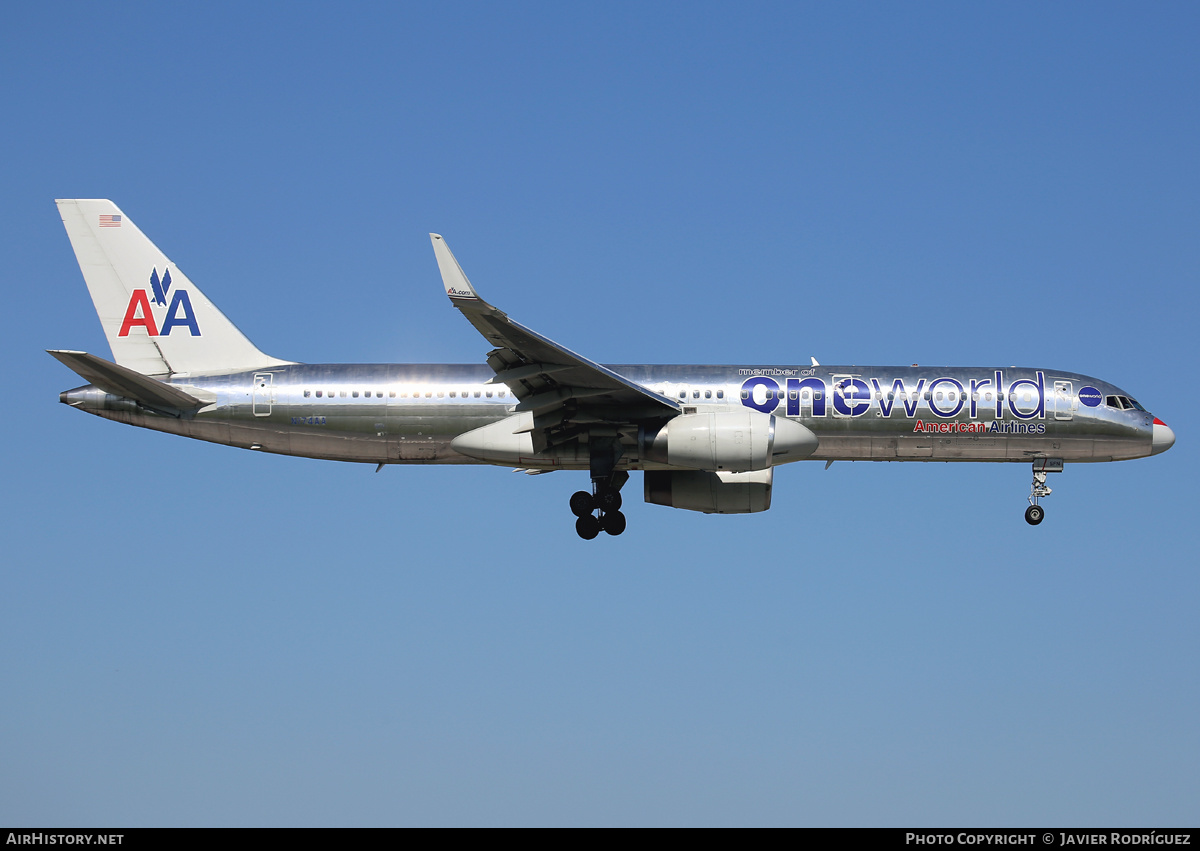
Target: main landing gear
(1035, 514)
(600, 511)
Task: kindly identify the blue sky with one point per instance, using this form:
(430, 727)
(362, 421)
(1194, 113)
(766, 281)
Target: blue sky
(197, 635)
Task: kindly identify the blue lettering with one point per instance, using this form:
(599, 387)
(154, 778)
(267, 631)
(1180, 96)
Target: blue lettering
(180, 301)
(910, 406)
(795, 387)
(1017, 428)
(975, 385)
(772, 389)
(1038, 390)
(886, 401)
(851, 397)
(958, 396)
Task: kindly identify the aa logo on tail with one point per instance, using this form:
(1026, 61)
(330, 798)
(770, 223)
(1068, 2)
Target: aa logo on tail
(179, 312)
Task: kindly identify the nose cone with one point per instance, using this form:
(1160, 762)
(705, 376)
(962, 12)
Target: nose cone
(1164, 438)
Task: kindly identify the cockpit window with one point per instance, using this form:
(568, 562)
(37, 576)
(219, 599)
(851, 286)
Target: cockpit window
(1123, 403)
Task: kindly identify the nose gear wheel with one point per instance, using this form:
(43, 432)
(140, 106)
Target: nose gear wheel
(1035, 514)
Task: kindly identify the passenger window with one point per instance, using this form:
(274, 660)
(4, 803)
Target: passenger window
(745, 393)
(488, 393)
(441, 394)
(720, 394)
(343, 393)
(501, 394)
(354, 393)
(307, 393)
(476, 394)
(707, 394)
(453, 394)
(318, 394)
(695, 394)
(682, 394)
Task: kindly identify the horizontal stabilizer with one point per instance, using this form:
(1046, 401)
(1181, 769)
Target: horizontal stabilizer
(122, 381)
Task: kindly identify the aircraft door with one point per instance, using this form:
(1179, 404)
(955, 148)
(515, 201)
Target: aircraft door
(1064, 400)
(264, 393)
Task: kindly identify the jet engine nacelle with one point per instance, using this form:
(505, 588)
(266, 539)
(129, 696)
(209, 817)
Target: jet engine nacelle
(712, 493)
(734, 441)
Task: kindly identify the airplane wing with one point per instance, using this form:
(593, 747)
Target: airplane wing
(566, 393)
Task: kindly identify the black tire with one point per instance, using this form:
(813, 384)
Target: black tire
(608, 500)
(1034, 515)
(582, 503)
(587, 527)
(613, 522)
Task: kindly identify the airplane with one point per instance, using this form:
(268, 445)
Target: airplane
(706, 438)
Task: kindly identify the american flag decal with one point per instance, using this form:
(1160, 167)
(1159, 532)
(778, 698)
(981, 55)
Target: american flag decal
(110, 221)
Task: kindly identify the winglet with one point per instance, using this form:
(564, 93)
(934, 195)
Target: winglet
(453, 277)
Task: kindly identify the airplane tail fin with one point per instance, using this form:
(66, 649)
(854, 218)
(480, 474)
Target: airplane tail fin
(156, 320)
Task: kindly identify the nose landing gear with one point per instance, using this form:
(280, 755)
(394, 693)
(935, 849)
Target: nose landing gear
(1035, 514)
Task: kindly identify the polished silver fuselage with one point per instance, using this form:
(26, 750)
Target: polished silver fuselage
(410, 413)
